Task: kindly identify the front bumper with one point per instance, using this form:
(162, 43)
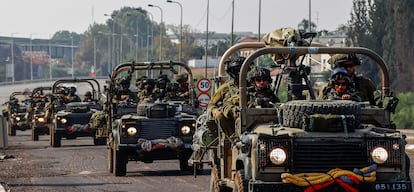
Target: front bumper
(400, 186)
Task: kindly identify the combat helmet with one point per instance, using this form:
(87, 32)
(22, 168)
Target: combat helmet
(342, 59)
(339, 73)
(233, 67)
(259, 72)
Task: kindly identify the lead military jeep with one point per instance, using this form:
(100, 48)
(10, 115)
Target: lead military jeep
(306, 144)
(148, 130)
(70, 117)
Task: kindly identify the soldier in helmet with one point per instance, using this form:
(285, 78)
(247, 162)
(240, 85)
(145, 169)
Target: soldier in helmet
(339, 87)
(172, 92)
(88, 97)
(223, 106)
(147, 93)
(72, 96)
(125, 94)
(182, 80)
(363, 85)
(260, 93)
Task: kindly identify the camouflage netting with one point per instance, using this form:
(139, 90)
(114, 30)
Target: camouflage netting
(284, 37)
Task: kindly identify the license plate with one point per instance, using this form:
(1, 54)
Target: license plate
(392, 187)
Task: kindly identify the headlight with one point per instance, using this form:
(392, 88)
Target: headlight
(41, 119)
(63, 121)
(379, 155)
(17, 118)
(132, 131)
(185, 130)
(278, 156)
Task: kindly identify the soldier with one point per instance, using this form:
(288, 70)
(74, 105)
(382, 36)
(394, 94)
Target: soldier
(172, 92)
(147, 94)
(72, 96)
(88, 97)
(125, 94)
(260, 93)
(363, 85)
(182, 80)
(223, 106)
(339, 87)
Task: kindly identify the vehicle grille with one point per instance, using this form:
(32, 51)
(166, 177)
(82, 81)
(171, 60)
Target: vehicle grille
(317, 156)
(158, 128)
(78, 118)
(322, 156)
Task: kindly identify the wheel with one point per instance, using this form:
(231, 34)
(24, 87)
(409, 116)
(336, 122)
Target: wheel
(99, 141)
(56, 139)
(214, 181)
(240, 184)
(110, 160)
(35, 134)
(9, 128)
(184, 157)
(295, 112)
(119, 162)
(13, 130)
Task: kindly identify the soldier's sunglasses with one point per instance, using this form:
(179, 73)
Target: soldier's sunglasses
(341, 83)
(346, 66)
(260, 79)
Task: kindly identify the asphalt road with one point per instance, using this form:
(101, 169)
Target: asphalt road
(80, 166)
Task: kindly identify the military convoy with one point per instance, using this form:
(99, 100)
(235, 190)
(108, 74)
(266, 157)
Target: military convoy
(69, 117)
(151, 129)
(305, 144)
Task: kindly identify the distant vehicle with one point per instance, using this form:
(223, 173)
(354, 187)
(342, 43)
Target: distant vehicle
(69, 116)
(15, 112)
(306, 144)
(35, 115)
(152, 129)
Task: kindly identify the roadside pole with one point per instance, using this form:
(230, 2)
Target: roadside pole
(3, 134)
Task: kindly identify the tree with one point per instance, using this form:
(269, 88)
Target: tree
(304, 25)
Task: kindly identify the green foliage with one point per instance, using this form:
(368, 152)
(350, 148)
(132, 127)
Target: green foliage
(404, 114)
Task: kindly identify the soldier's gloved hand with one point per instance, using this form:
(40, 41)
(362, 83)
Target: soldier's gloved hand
(230, 111)
(217, 114)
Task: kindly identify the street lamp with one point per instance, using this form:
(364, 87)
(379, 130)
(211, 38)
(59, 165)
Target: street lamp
(109, 49)
(31, 56)
(208, 7)
(73, 69)
(113, 38)
(260, 16)
(152, 38)
(161, 28)
(12, 55)
(181, 27)
(50, 57)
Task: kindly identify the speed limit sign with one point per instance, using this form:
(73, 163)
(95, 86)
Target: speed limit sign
(204, 85)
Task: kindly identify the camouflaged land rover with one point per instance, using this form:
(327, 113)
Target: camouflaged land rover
(15, 112)
(35, 115)
(305, 144)
(150, 128)
(68, 114)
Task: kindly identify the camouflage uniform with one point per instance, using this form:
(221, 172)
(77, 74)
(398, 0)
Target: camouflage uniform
(263, 97)
(362, 85)
(329, 91)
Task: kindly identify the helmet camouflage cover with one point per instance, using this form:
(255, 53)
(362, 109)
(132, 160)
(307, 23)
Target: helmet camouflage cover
(259, 72)
(341, 59)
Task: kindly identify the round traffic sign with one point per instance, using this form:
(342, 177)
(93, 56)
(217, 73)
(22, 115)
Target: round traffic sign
(204, 85)
(204, 99)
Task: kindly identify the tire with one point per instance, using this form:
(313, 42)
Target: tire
(110, 160)
(214, 182)
(35, 134)
(9, 128)
(56, 139)
(184, 167)
(119, 162)
(13, 130)
(240, 182)
(295, 112)
(99, 141)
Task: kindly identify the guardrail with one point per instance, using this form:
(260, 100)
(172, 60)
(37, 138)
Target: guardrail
(7, 83)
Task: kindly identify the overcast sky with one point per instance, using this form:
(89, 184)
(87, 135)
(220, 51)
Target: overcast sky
(41, 18)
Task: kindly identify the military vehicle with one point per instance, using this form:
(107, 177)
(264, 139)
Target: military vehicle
(35, 115)
(15, 112)
(151, 129)
(69, 116)
(306, 144)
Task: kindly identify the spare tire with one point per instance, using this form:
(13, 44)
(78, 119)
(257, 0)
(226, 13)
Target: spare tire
(296, 112)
